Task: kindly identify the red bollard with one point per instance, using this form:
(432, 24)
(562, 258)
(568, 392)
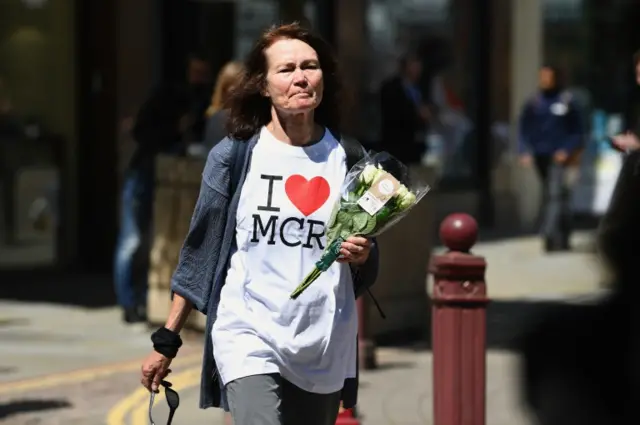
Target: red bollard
(459, 299)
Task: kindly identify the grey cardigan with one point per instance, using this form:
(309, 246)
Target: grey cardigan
(204, 259)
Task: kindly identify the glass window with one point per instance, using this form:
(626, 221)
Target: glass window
(592, 42)
(37, 125)
(438, 30)
(255, 16)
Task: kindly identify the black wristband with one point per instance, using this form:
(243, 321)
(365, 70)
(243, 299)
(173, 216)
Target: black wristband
(166, 342)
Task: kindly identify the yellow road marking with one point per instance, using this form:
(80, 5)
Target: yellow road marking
(139, 398)
(118, 413)
(186, 379)
(65, 378)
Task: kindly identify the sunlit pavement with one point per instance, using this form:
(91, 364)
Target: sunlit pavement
(72, 365)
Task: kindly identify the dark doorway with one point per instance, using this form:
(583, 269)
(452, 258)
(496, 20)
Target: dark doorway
(193, 26)
(97, 153)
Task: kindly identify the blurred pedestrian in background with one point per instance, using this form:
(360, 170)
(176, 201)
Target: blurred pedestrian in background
(404, 112)
(580, 361)
(170, 118)
(11, 133)
(551, 136)
(217, 113)
(629, 140)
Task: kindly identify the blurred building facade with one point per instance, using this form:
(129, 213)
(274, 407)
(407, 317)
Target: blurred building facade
(72, 72)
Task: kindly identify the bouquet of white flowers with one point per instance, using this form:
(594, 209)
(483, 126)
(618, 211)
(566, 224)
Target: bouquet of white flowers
(376, 193)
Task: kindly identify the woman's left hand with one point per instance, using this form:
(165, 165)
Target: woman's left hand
(355, 250)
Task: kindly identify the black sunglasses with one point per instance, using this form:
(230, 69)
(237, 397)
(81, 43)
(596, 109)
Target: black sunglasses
(173, 400)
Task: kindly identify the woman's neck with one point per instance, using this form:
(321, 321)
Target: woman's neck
(296, 130)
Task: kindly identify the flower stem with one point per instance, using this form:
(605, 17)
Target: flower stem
(311, 277)
(329, 256)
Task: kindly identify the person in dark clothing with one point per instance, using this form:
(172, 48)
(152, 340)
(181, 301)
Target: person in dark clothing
(404, 113)
(630, 140)
(217, 113)
(551, 136)
(11, 133)
(171, 117)
(579, 362)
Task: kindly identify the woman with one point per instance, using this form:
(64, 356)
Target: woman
(217, 113)
(270, 359)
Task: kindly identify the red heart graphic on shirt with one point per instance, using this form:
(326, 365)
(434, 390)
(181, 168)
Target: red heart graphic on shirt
(307, 195)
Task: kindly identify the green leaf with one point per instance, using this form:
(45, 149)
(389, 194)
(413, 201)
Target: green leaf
(393, 203)
(333, 216)
(371, 225)
(360, 221)
(343, 217)
(384, 213)
(333, 232)
(345, 232)
(353, 209)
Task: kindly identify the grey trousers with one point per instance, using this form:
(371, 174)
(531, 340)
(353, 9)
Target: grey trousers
(272, 400)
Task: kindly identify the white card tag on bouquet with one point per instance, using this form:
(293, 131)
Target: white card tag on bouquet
(379, 193)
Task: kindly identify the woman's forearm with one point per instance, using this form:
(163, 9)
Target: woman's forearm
(180, 309)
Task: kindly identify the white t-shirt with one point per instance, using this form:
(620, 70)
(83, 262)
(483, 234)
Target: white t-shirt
(285, 202)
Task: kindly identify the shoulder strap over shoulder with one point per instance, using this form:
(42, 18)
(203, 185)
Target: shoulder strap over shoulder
(354, 150)
(238, 153)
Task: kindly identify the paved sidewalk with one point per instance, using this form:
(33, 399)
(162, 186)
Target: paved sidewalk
(40, 339)
(70, 365)
(89, 360)
(518, 268)
(399, 392)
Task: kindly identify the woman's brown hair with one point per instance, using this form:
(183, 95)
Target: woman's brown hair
(227, 78)
(249, 110)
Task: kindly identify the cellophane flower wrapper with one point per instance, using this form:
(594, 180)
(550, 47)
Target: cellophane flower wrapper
(357, 214)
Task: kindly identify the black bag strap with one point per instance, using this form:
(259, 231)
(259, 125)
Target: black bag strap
(238, 154)
(353, 149)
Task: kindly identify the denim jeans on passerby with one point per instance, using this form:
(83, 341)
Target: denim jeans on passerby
(135, 222)
(556, 223)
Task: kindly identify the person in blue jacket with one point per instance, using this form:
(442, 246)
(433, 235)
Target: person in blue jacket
(551, 135)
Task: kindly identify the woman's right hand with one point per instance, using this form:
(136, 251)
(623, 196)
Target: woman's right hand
(154, 369)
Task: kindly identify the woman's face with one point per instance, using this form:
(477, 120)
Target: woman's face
(294, 78)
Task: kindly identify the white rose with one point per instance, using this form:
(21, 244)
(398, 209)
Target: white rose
(369, 174)
(408, 200)
(402, 191)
